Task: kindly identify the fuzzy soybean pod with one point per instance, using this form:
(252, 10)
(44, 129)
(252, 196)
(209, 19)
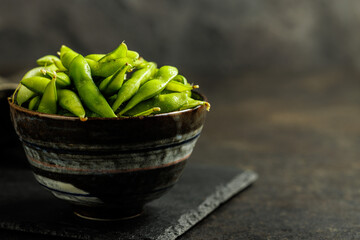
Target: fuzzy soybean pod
(119, 52)
(38, 84)
(34, 103)
(62, 79)
(152, 88)
(191, 103)
(48, 102)
(166, 102)
(131, 86)
(140, 63)
(70, 101)
(104, 83)
(180, 78)
(105, 69)
(179, 87)
(59, 65)
(95, 56)
(116, 81)
(170, 102)
(47, 60)
(24, 94)
(132, 54)
(38, 71)
(67, 55)
(80, 73)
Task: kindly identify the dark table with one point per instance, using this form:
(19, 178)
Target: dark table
(300, 132)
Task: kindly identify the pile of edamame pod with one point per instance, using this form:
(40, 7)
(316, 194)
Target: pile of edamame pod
(117, 84)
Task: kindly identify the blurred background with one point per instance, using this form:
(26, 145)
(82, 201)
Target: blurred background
(204, 38)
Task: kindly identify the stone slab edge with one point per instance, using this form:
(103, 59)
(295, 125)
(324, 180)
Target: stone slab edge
(220, 196)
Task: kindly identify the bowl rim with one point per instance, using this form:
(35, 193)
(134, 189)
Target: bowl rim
(68, 118)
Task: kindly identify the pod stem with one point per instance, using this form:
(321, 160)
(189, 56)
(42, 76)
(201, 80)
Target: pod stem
(83, 119)
(207, 106)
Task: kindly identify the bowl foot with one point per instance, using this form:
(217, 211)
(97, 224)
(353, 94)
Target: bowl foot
(107, 214)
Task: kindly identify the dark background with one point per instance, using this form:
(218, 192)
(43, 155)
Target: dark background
(216, 39)
(283, 80)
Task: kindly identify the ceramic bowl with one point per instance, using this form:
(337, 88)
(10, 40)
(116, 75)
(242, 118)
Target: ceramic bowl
(108, 168)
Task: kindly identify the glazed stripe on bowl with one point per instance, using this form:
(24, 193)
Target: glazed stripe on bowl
(56, 168)
(109, 163)
(73, 194)
(57, 147)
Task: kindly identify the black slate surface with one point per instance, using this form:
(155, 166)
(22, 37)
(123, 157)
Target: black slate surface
(25, 206)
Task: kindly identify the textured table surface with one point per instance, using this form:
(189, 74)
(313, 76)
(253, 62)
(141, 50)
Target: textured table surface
(300, 132)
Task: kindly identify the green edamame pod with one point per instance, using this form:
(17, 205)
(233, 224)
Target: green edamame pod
(132, 54)
(119, 52)
(62, 79)
(140, 63)
(48, 102)
(180, 78)
(166, 102)
(80, 73)
(131, 86)
(38, 71)
(70, 101)
(171, 102)
(117, 80)
(34, 103)
(179, 87)
(145, 91)
(47, 60)
(24, 94)
(95, 57)
(105, 69)
(104, 83)
(67, 55)
(59, 65)
(188, 93)
(118, 77)
(152, 88)
(191, 103)
(36, 84)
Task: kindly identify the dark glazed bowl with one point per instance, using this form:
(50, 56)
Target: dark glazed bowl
(108, 168)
